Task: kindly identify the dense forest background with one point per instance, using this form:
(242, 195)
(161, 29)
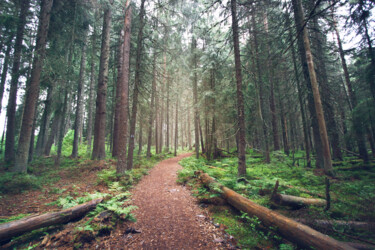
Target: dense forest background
(273, 97)
(159, 75)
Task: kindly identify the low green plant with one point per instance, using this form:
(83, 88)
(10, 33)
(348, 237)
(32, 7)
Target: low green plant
(13, 183)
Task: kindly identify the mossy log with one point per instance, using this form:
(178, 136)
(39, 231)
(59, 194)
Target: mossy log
(330, 224)
(24, 225)
(295, 201)
(294, 231)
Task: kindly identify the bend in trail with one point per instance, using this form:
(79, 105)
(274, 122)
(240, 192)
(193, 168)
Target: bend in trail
(168, 217)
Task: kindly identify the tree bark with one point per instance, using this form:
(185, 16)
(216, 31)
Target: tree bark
(46, 117)
(275, 130)
(296, 232)
(137, 84)
(332, 224)
(123, 90)
(296, 202)
(98, 151)
(4, 73)
(53, 133)
(32, 92)
(300, 98)
(167, 107)
(322, 77)
(240, 99)
(195, 95)
(19, 227)
(140, 140)
(90, 107)
(201, 135)
(360, 137)
(78, 118)
(152, 107)
(314, 85)
(176, 130)
(261, 105)
(9, 155)
(119, 87)
(157, 149)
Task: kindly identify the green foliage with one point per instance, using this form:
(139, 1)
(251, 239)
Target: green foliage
(13, 183)
(67, 146)
(107, 176)
(286, 247)
(69, 201)
(113, 203)
(184, 175)
(354, 190)
(246, 232)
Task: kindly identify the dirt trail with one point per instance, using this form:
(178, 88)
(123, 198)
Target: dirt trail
(167, 215)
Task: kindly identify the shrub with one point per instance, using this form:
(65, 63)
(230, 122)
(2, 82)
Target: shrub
(13, 183)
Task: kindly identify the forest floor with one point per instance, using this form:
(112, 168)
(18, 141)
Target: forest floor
(167, 215)
(172, 209)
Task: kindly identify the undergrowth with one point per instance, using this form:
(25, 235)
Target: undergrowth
(352, 192)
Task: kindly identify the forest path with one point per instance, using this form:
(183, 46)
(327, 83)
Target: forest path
(168, 217)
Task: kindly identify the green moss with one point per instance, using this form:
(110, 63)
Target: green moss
(352, 192)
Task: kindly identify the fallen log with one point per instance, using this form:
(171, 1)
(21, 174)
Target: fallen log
(296, 232)
(294, 201)
(18, 227)
(306, 191)
(330, 224)
(360, 246)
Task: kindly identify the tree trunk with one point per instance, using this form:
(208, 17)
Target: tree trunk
(32, 92)
(90, 107)
(152, 107)
(275, 130)
(78, 118)
(296, 232)
(189, 131)
(326, 95)
(284, 129)
(298, 16)
(317, 101)
(4, 73)
(12, 100)
(46, 117)
(19, 227)
(157, 150)
(55, 127)
(161, 118)
(240, 99)
(140, 140)
(119, 87)
(360, 137)
(110, 129)
(137, 84)
(123, 90)
(195, 96)
(32, 137)
(300, 99)
(261, 105)
(98, 151)
(176, 130)
(201, 135)
(167, 108)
